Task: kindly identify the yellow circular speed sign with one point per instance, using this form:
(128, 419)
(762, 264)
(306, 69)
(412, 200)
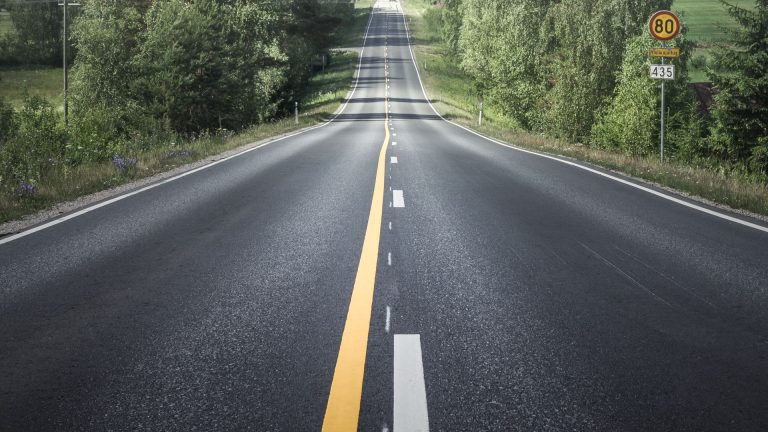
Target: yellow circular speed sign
(664, 25)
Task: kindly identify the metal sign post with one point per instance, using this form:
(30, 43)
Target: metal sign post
(663, 114)
(663, 26)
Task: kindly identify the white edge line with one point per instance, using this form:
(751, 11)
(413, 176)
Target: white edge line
(89, 209)
(594, 171)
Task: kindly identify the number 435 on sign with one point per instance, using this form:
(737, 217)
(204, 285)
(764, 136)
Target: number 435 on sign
(663, 72)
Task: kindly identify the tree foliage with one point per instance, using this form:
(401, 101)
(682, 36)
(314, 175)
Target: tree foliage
(740, 78)
(194, 65)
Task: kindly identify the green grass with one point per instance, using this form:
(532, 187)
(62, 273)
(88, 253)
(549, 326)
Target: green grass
(452, 94)
(64, 183)
(707, 23)
(327, 90)
(47, 83)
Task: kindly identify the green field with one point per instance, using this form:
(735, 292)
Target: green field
(47, 83)
(707, 23)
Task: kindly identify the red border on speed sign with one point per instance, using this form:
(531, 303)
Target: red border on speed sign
(663, 18)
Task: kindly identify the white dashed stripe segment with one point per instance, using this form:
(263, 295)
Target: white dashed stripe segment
(393, 159)
(398, 200)
(410, 401)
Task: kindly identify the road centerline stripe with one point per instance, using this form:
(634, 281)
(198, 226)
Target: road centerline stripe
(410, 395)
(343, 409)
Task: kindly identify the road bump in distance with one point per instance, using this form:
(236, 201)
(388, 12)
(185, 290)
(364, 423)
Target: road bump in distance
(398, 200)
(410, 395)
(343, 409)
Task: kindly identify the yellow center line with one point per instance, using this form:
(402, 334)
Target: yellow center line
(343, 409)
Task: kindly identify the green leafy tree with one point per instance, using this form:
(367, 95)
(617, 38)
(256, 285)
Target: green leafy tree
(37, 37)
(453, 17)
(740, 79)
(207, 64)
(630, 123)
(500, 50)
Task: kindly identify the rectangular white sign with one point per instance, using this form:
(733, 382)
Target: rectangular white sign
(663, 72)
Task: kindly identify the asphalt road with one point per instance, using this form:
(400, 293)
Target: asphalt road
(496, 290)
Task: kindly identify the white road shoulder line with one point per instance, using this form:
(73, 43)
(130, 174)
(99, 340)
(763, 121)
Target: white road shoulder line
(410, 398)
(397, 199)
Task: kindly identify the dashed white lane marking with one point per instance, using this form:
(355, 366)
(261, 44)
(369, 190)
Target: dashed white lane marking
(390, 204)
(410, 399)
(386, 324)
(390, 226)
(394, 134)
(393, 159)
(394, 143)
(397, 198)
(389, 259)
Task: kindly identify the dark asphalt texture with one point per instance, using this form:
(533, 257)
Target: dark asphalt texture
(547, 298)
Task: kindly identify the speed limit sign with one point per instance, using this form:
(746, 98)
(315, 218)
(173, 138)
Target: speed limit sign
(664, 25)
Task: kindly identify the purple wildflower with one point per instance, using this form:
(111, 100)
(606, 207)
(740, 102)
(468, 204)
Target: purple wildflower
(26, 189)
(121, 163)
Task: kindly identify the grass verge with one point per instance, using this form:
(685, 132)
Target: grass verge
(44, 82)
(65, 183)
(451, 91)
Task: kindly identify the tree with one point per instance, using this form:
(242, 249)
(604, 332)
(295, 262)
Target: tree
(452, 20)
(205, 64)
(500, 49)
(740, 79)
(38, 31)
(630, 123)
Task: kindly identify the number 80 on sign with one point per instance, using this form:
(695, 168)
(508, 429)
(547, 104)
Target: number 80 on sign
(664, 25)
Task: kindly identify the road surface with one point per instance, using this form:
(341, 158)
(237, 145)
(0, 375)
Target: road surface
(387, 271)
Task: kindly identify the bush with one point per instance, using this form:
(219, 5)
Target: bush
(36, 143)
(699, 62)
(630, 123)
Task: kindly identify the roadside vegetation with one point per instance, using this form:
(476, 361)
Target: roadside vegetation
(547, 83)
(140, 106)
(708, 25)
